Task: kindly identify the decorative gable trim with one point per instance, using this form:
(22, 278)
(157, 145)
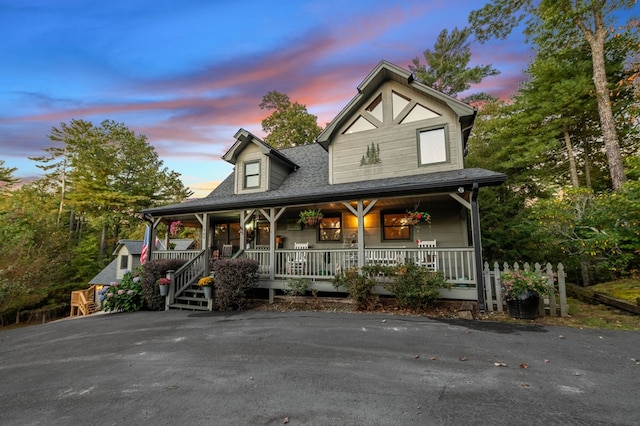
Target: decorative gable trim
(383, 72)
(244, 138)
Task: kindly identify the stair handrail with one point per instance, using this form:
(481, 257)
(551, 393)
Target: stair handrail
(189, 273)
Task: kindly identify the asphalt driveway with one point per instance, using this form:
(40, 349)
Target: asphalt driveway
(303, 368)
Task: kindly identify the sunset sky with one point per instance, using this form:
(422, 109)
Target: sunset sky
(188, 74)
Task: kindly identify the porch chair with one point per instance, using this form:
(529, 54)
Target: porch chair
(297, 264)
(227, 251)
(428, 258)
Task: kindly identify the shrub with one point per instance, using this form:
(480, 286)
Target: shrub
(152, 271)
(124, 297)
(297, 286)
(414, 286)
(233, 277)
(358, 286)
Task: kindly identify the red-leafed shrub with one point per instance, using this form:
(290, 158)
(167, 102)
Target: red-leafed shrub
(152, 271)
(233, 278)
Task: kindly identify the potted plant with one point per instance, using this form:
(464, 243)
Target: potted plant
(163, 285)
(206, 283)
(310, 217)
(522, 291)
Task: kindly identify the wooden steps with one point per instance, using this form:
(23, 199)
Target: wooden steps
(191, 299)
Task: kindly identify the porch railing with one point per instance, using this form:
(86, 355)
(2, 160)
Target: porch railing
(175, 254)
(456, 264)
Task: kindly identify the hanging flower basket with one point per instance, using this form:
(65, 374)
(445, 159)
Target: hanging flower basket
(415, 218)
(311, 221)
(310, 217)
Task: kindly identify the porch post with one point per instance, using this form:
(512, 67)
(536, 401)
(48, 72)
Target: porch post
(204, 239)
(477, 246)
(360, 217)
(243, 217)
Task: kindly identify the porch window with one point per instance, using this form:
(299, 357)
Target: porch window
(432, 146)
(330, 228)
(252, 174)
(394, 227)
(124, 262)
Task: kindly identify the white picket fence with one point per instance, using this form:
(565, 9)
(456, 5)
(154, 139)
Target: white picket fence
(493, 287)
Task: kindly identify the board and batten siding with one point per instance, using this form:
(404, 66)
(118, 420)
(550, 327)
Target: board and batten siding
(398, 142)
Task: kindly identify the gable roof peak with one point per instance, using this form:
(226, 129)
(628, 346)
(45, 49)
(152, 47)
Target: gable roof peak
(385, 71)
(243, 138)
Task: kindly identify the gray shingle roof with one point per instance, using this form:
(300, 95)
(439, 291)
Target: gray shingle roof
(134, 246)
(310, 184)
(107, 275)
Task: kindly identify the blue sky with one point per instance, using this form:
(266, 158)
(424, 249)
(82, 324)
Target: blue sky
(188, 74)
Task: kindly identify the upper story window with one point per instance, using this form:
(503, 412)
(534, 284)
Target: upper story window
(252, 174)
(432, 145)
(124, 261)
(330, 228)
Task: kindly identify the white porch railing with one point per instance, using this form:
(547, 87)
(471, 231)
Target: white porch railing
(456, 264)
(175, 254)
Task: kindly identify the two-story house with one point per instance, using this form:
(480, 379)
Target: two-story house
(398, 146)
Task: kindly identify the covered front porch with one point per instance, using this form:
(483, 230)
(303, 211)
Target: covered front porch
(351, 234)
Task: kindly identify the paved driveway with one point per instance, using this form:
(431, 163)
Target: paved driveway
(267, 368)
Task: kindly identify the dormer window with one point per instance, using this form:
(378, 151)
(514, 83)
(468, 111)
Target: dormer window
(252, 174)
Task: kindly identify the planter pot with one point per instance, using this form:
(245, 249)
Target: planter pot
(164, 289)
(312, 221)
(525, 305)
(208, 291)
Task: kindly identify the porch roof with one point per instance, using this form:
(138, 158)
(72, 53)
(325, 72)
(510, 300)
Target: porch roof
(310, 185)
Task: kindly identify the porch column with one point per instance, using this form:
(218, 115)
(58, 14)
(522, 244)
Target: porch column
(243, 218)
(360, 216)
(477, 246)
(273, 214)
(204, 238)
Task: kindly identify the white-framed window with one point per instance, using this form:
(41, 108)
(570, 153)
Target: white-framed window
(433, 146)
(252, 174)
(124, 261)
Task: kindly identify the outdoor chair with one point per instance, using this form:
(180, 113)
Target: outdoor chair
(297, 264)
(227, 251)
(428, 258)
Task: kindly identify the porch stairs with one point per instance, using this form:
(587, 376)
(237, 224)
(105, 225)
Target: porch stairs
(192, 298)
(187, 294)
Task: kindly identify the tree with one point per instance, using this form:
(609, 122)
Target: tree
(6, 177)
(107, 174)
(446, 68)
(289, 124)
(562, 22)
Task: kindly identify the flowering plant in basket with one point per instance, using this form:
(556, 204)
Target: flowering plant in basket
(516, 282)
(415, 217)
(163, 281)
(205, 281)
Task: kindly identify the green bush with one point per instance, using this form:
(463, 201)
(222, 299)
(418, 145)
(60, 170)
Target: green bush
(359, 287)
(233, 278)
(125, 296)
(414, 286)
(151, 272)
(297, 286)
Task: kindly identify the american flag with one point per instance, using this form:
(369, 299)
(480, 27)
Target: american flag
(145, 245)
